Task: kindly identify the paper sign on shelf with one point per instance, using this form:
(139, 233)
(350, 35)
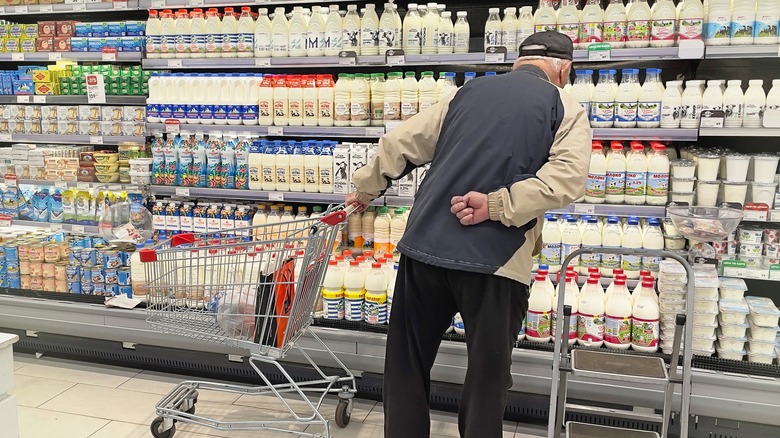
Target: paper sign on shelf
(109, 54)
(262, 62)
(45, 8)
(495, 55)
(39, 99)
(79, 229)
(275, 196)
(10, 180)
(6, 137)
(55, 56)
(158, 4)
(395, 57)
(690, 49)
(22, 99)
(6, 220)
(61, 184)
(96, 88)
(196, 3)
(183, 191)
(20, 9)
(275, 130)
(599, 52)
(584, 208)
(120, 5)
(375, 132)
(95, 139)
(174, 63)
(17, 56)
(79, 7)
(172, 126)
(55, 227)
(756, 212)
(347, 58)
(712, 119)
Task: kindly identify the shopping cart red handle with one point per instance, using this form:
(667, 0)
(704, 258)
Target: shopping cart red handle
(339, 216)
(149, 255)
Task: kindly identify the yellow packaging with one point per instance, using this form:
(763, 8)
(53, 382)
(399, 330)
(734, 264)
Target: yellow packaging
(27, 45)
(42, 76)
(46, 88)
(10, 44)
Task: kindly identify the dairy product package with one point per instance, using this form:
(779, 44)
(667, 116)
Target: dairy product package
(358, 157)
(341, 170)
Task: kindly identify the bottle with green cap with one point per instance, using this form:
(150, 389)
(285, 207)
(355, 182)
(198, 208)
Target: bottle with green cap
(410, 99)
(397, 228)
(392, 97)
(361, 101)
(377, 99)
(427, 91)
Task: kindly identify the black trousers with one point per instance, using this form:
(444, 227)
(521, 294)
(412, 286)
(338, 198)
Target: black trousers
(425, 299)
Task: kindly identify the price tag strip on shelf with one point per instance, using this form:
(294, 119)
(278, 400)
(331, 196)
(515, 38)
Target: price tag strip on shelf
(712, 119)
(347, 58)
(172, 126)
(11, 180)
(395, 57)
(276, 196)
(599, 52)
(6, 220)
(756, 212)
(495, 55)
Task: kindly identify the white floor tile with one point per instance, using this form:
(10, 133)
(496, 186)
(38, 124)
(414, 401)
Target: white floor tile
(109, 403)
(39, 423)
(160, 383)
(442, 423)
(118, 429)
(236, 413)
(22, 359)
(34, 391)
(78, 372)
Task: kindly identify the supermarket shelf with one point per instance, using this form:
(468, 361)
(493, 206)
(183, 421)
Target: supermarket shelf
(76, 229)
(716, 394)
(160, 4)
(739, 132)
(742, 52)
(613, 210)
(661, 134)
(71, 100)
(648, 53)
(399, 201)
(80, 185)
(70, 139)
(71, 56)
(276, 131)
(69, 8)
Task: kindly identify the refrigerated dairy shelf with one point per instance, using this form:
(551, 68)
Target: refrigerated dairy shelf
(70, 56)
(76, 184)
(71, 139)
(739, 132)
(272, 131)
(646, 134)
(256, 195)
(613, 210)
(69, 8)
(742, 52)
(70, 100)
(160, 4)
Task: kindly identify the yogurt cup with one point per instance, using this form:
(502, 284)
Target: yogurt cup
(772, 250)
(752, 262)
(686, 197)
(751, 249)
(682, 184)
(737, 167)
(683, 169)
(708, 165)
(763, 193)
(750, 234)
(670, 229)
(674, 242)
(707, 193)
(771, 235)
(735, 192)
(765, 168)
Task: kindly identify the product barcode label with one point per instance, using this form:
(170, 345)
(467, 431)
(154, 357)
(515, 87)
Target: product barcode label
(276, 196)
(79, 229)
(262, 62)
(185, 192)
(22, 99)
(275, 130)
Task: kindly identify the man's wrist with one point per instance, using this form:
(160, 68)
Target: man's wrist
(495, 205)
(364, 198)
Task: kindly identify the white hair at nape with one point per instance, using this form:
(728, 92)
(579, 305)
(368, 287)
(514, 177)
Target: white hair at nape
(557, 64)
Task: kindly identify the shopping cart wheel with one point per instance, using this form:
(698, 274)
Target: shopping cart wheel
(156, 427)
(343, 413)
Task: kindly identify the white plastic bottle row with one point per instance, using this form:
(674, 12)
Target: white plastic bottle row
(740, 22)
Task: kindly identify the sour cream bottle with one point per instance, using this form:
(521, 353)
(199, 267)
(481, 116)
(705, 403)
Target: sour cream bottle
(545, 18)
(616, 174)
(569, 21)
(638, 25)
(461, 33)
(525, 24)
(671, 104)
(627, 99)
(650, 96)
(734, 104)
(755, 102)
(663, 24)
(595, 191)
(493, 29)
(615, 18)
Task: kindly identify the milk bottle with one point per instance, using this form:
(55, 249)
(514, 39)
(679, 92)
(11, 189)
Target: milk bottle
(409, 96)
(671, 105)
(591, 24)
(691, 20)
(548, 282)
(397, 229)
(571, 239)
(230, 33)
(360, 98)
(311, 170)
(713, 96)
(389, 32)
(282, 166)
(280, 35)
(595, 191)
(743, 19)
(734, 104)
(663, 24)
(325, 100)
(427, 91)
(653, 239)
(755, 102)
(369, 217)
(591, 237)
(153, 36)
(581, 90)
(351, 36)
(167, 34)
(627, 99)
(636, 175)
(265, 96)
(461, 33)
(183, 37)
(342, 100)
(310, 103)
(551, 244)
(658, 175)
(294, 100)
(615, 18)
(392, 97)
(375, 307)
(445, 42)
(493, 29)
(767, 17)
(650, 96)
(325, 183)
(611, 287)
(281, 104)
(369, 31)
(298, 33)
(616, 174)
(509, 29)
(382, 232)
(571, 298)
(333, 32)
(645, 319)
(569, 21)
(632, 239)
(430, 30)
(638, 25)
(773, 98)
(590, 327)
(315, 33)
(333, 292)
(717, 29)
(377, 99)
(602, 109)
(412, 31)
(545, 17)
(617, 330)
(262, 35)
(538, 319)
(268, 166)
(611, 237)
(354, 292)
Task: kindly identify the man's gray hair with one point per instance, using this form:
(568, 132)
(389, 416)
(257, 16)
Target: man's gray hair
(557, 64)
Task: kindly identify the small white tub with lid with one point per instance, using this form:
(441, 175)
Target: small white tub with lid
(683, 169)
(732, 288)
(737, 166)
(733, 311)
(733, 330)
(682, 184)
(708, 166)
(733, 344)
(760, 347)
(735, 192)
(763, 193)
(760, 358)
(763, 334)
(765, 168)
(729, 354)
(763, 312)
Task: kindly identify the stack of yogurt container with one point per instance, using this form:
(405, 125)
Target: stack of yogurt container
(762, 335)
(732, 319)
(672, 290)
(757, 246)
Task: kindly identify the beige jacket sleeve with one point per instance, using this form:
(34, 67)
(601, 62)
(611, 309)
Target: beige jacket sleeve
(414, 141)
(559, 182)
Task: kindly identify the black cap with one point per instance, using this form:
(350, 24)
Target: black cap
(548, 43)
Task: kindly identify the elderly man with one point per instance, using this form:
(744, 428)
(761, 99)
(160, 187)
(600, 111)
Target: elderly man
(503, 150)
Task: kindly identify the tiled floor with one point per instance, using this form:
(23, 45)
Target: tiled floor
(66, 399)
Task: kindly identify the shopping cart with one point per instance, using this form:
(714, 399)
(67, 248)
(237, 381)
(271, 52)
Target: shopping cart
(255, 289)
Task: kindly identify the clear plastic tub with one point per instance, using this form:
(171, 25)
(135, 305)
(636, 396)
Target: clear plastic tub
(686, 197)
(671, 296)
(733, 330)
(733, 344)
(672, 306)
(141, 164)
(765, 167)
(683, 168)
(672, 271)
(706, 287)
(763, 334)
(735, 192)
(704, 330)
(751, 249)
(705, 306)
(682, 184)
(763, 193)
(672, 287)
(758, 347)
(760, 358)
(704, 317)
(708, 166)
(706, 352)
(763, 312)
(732, 288)
(731, 355)
(733, 311)
(674, 242)
(752, 262)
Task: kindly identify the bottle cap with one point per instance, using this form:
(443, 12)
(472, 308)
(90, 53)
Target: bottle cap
(620, 282)
(593, 280)
(376, 265)
(354, 263)
(647, 283)
(617, 271)
(540, 277)
(332, 263)
(621, 277)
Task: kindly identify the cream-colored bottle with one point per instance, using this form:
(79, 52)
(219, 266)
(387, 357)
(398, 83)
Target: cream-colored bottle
(493, 28)
(430, 29)
(280, 35)
(369, 31)
(315, 33)
(461, 33)
(389, 32)
(333, 32)
(412, 31)
(350, 39)
(525, 24)
(298, 33)
(445, 41)
(509, 30)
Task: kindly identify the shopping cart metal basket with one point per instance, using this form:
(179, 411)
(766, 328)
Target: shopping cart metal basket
(252, 288)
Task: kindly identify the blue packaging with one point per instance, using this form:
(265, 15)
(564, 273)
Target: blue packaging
(87, 288)
(98, 289)
(82, 30)
(86, 276)
(123, 277)
(112, 290)
(135, 28)
(126, 290)
(12, 268)
(11, 252)
(23, 86)
(111, 276)
(3, 280)
(112, 260)
(14, 281)
(131, 44)
(117, 29)
(73, 272)
(100, 29)
(88, 257)
(3, 268)
(79, 44)
(113, 43)
(74, 287)
(98, 276)
(96, 44)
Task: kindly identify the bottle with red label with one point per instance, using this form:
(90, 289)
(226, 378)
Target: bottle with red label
(539, 316)
(590, 327)
(617, 330)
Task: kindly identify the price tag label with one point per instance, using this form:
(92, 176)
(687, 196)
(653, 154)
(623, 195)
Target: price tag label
(691, 49)
(79, 7)
(758, 274)
(55, 56)
(61, 184)
(39, 99)
(6, 220)
(262, 62)
(275, 130)
(17, 56)
(584, 208)
(174, 63)
(196, 3)
(275, 196)
(79, 229)
(712, 119)
(756, 212)
(109, 55)
(20, 9)
(347, 58)
(375, 132)
(96, 88)
(95, 139)
(55, 227)
(495, 55)
(392, 125)
(158, 4)
(2, 10)
(183, 191)
(172, 126)
(10, 180)
(599, 52)
(120, 5)
(395, 57)
(6, 137)
(22, 99)
(45, 8)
